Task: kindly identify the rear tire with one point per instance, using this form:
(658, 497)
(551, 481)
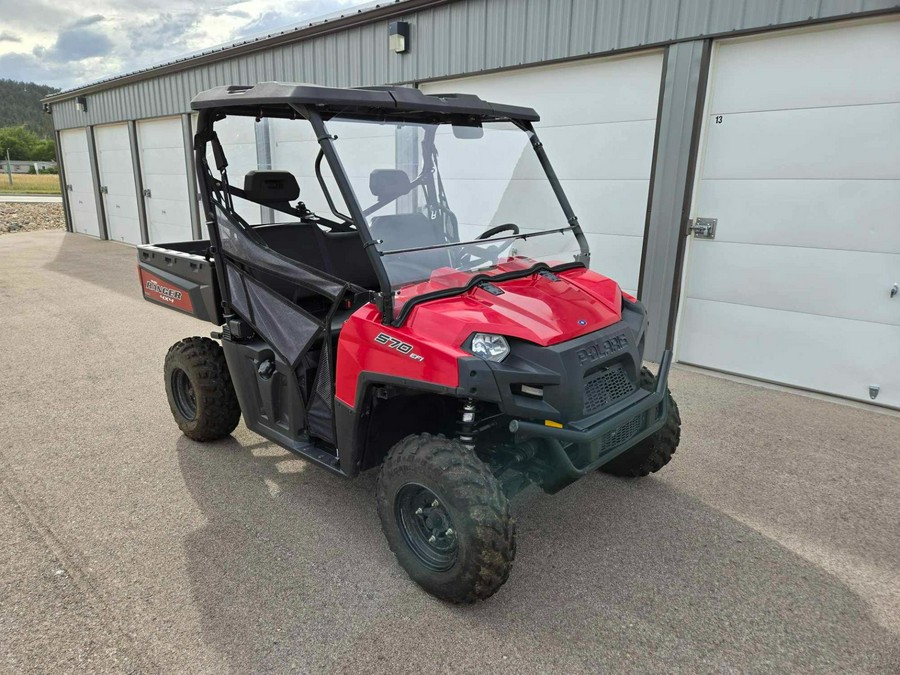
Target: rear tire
(654, 452)
(446, 518)
(199, 388)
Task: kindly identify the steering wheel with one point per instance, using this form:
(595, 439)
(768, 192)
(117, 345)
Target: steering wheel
(491, 254)
(505, 227)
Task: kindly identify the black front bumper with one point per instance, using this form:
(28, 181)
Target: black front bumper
(601, 437)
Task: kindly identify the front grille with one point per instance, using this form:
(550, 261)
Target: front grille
(623, 432)
(606, 387)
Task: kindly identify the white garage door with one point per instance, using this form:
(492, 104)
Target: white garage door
(164, 173)
(117, 183)
(79, 181)
(801, 167)
(598, 121)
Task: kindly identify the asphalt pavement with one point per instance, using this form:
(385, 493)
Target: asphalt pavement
(771, 543)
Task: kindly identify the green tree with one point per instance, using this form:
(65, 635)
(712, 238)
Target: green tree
(44, 150)
(24, 144)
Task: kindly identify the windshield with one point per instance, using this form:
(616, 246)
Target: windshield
(444, 202)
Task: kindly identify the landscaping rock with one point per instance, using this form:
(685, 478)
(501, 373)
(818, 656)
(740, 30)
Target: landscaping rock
(24, 217)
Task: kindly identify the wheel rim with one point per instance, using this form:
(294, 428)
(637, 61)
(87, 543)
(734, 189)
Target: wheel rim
(183, 393)
(426, 527)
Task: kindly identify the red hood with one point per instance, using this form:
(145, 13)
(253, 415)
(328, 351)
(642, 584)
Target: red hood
(533, 308)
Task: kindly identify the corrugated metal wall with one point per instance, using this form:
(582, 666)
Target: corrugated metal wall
(460, 37)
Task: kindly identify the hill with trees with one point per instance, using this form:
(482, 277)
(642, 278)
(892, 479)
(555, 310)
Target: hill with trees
(25, 129)
(20, 104)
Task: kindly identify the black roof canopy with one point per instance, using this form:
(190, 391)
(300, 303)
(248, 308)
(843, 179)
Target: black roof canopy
(275, 99)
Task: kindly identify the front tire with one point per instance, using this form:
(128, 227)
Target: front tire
(654, 452)
(201, 394)
(446, 518)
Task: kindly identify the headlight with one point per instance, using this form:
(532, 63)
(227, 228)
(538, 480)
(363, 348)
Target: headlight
(490, 347)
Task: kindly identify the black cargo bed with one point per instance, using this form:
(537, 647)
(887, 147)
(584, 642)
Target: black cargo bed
(181, 276)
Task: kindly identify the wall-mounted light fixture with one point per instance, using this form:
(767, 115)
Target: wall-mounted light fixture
(398, 36)
(47, 108)
(81, 103)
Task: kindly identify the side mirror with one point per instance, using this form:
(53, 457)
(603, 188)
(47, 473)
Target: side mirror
(468, 131)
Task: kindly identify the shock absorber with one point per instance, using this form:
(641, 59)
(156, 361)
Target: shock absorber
(467, 423)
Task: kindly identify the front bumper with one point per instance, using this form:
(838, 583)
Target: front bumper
(602, 437)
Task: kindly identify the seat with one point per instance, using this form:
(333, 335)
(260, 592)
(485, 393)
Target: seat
(405, 230)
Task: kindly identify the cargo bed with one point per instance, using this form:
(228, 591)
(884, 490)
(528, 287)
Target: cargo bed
(181, 276)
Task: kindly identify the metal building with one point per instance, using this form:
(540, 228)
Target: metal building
(736, 163)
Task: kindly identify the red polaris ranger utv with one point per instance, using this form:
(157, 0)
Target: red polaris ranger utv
(408, 290)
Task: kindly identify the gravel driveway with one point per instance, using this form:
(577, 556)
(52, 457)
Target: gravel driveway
(770, 544)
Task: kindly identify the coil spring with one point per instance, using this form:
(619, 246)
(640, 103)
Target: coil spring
(467, 423)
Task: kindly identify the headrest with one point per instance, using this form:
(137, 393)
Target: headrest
(389, 183)
(271, 186)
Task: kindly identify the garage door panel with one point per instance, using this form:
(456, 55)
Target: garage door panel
(853, 142)
(590, 92)
(617, 257)
(759, 77)
(621, 150)
(166, 211)
(801, 169)
(164, 233)
(120, 201)
(120, 184)
(124, 229)
(84, 214)
(610, 206)
(814, 352)
(839, 214)
(846, 284)
(164, 174)
(163, 133)
(77, 167)
(163, 162)
(75, 141)
(115, 161)
(161, 185)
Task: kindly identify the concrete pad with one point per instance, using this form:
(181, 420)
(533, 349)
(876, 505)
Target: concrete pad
(770, 543)
(32, 199)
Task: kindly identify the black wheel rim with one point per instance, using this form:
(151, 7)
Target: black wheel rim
(426, 527)
(183, 393)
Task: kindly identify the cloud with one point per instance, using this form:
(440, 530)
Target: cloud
(71, 57)
(169, 32)
(237, 13)
(77, 44)
(29, 68)
(53, 43)
(33, 15)
(88, 21)
(291, 14)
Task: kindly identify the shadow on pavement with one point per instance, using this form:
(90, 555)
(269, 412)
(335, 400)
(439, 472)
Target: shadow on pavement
(107, 264)
(291, 571)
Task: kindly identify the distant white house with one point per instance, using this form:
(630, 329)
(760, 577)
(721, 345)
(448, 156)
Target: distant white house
(17, 166)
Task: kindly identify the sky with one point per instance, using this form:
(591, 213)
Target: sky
(63, 43)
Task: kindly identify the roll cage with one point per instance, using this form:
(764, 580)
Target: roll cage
(317, 105)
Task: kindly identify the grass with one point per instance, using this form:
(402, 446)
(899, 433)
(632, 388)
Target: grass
(26, 184)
